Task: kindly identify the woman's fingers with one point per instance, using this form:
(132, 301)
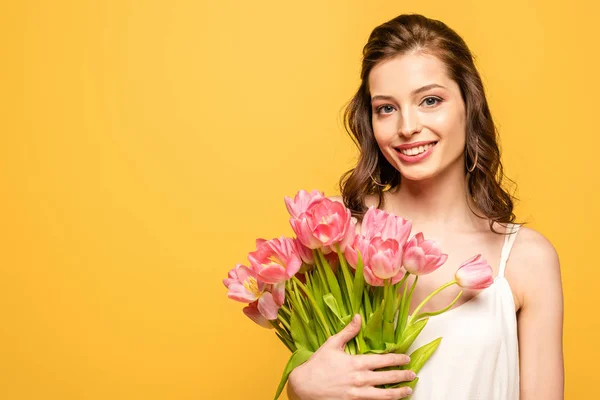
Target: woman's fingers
(340, 339)
(374, 378)
(375, 361)
(372, 393)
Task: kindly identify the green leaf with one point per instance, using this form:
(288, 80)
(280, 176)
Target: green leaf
(388, 313)
(389, 348)
(374, 329)
(367, 303)
(409, 335)
(421, 355)
(345, 293)
(298, 358)
(359, 284)
(333, 306)
(332, 282)
(312, 305)
(347, 278)
(404, 307)
(299, 332)
(376, 351)
(297, 303)
(291, 347)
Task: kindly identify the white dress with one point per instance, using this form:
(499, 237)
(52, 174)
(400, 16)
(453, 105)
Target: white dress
(478, 357)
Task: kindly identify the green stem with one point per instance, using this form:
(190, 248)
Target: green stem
(388, 311)
(320, 270)
(406, 302)
(315, 305)
(286, 310)
(403, 279)
(299, 303)
(284, 323)
(278, 328)
(412, 288)
(346, 275)
(414, 314)
(443, 310)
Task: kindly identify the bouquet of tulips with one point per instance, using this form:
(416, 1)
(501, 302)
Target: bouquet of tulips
(309, 287)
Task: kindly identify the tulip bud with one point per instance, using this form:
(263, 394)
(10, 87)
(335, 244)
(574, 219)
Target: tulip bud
(475, 273)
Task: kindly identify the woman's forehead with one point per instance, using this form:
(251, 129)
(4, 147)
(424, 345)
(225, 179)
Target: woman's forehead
(404, 74)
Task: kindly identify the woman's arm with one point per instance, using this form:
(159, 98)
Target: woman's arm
(540, 320)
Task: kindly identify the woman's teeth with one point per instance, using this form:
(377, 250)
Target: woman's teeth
(417, 150)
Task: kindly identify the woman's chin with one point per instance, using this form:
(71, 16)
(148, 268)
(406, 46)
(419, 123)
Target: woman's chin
(418, 175)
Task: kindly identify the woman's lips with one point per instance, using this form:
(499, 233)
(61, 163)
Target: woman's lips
(416, 158)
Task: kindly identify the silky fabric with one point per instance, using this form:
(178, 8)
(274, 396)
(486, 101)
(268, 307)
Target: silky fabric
(478, 357)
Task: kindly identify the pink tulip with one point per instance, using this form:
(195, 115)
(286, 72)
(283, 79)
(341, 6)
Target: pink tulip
(269, 304)
(325, 224)
(475, 273)
(377, 222)
(383, 260)
(301, 202)
(421, 256)
(243, 284)
(275, 260)
(361, 244)
(305, 254)
(252, 312)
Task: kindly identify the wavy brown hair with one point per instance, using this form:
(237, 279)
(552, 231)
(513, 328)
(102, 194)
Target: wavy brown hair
(410, 33)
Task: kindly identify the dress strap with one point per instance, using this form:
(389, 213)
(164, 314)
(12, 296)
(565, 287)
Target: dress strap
(508, 242)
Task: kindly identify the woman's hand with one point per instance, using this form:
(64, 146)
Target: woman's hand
(331, 374)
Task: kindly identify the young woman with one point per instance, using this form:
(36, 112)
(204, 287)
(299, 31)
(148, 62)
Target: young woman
(429, 153)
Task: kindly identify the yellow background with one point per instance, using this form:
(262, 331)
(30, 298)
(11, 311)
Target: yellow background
(146, 144)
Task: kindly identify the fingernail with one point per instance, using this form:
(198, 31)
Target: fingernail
(412, 375)
(408, 390)
(407, 359)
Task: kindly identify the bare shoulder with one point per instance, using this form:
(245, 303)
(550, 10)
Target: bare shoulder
(536, 251)
(536, 265)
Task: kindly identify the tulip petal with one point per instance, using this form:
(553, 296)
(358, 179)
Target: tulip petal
(370, 278)
(267, 306)
(414, 259)
(293, 266)
(381, 266)
(254, 314)
(398, 277)
(278, 292)
(351, 256)
(475, 273)
(238, 292)
(273, 274)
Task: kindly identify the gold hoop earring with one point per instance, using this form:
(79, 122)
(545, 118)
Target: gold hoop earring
(375, 182)
(476, 158)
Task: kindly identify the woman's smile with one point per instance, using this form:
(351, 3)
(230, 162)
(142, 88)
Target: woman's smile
(415, 154)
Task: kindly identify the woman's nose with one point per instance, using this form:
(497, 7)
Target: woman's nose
(409, 123)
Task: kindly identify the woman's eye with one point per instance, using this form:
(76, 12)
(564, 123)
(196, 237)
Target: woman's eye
(428, 101)
(385, 109)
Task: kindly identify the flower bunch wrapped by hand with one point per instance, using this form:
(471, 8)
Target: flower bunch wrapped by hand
(309, 287)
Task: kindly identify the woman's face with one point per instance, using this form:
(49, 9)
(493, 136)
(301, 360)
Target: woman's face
(413, 101)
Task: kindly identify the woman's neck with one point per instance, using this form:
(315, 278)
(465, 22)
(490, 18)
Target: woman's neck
(437, 204)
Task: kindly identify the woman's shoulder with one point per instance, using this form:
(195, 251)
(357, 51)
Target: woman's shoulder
(533, 247)
(534, 262)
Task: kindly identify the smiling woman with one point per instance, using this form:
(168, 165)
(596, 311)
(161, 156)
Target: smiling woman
(444, 90)
(428, 152)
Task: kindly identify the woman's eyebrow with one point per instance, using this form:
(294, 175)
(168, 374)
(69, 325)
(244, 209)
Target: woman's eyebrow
(416, 91)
